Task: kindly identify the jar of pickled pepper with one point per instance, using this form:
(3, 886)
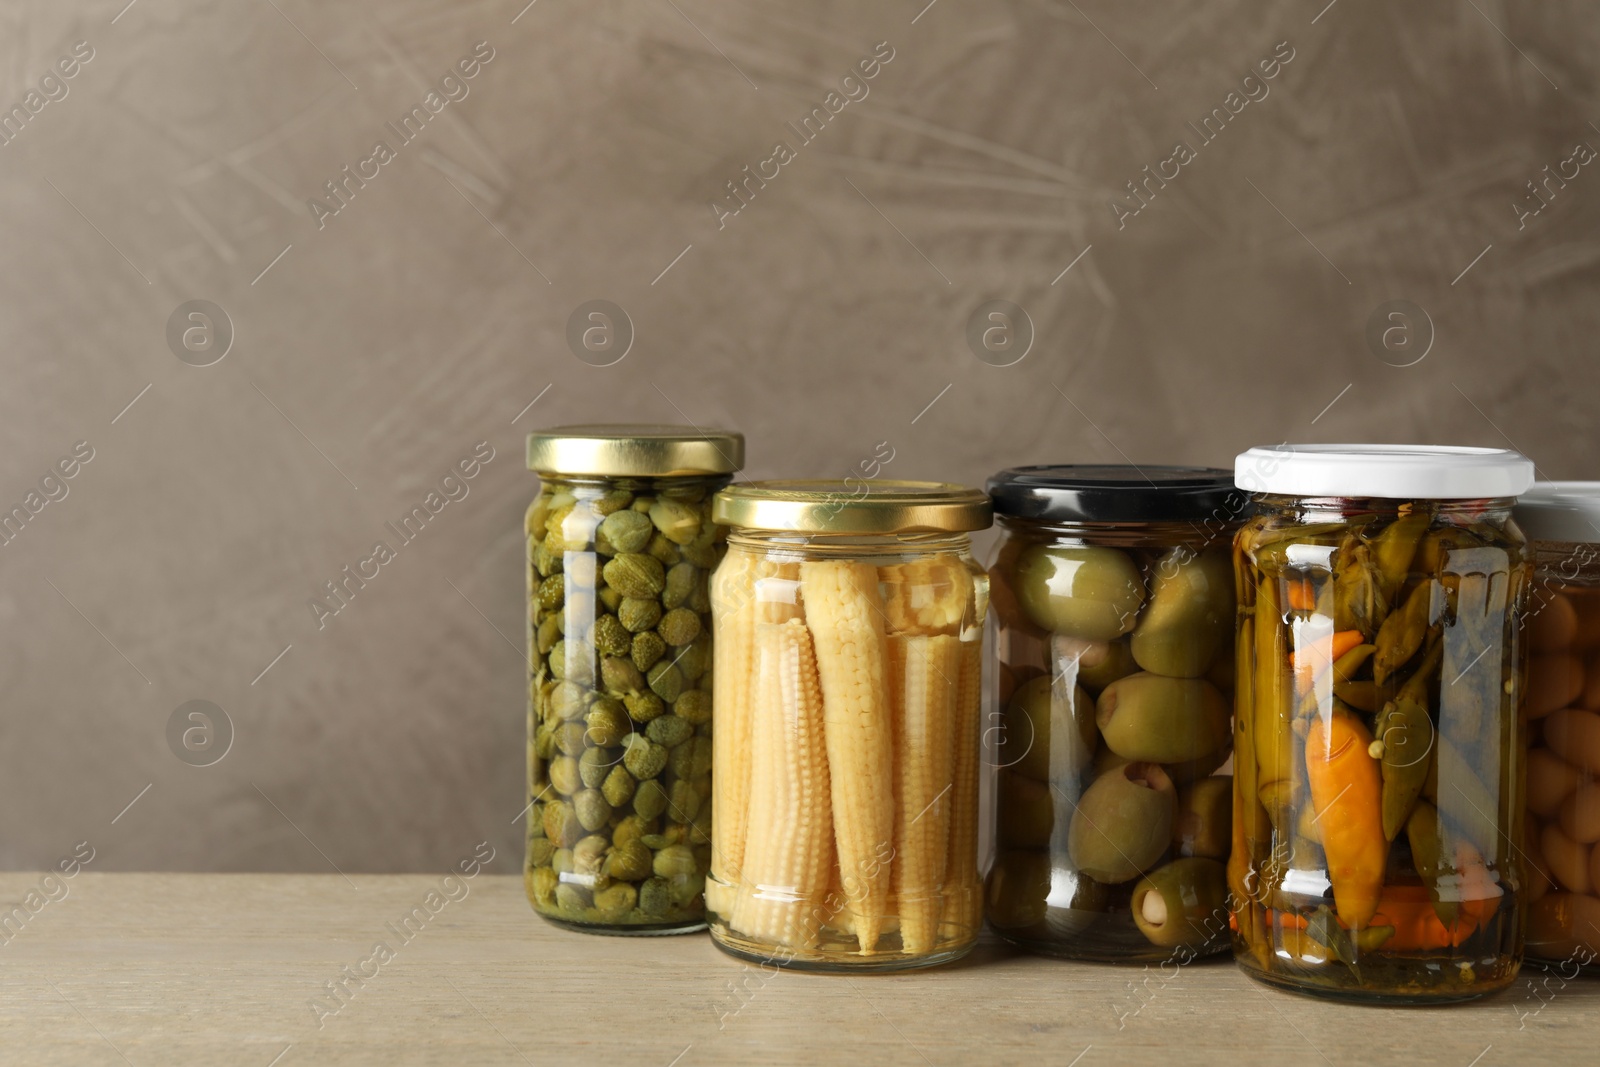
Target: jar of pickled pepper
(849, 629)
(1114, 603)
(1562, 623)
(620, 546)
(1378, 807)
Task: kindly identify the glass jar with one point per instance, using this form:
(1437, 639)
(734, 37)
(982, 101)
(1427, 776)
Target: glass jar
(1114, 609)
(620, 546)
(1378, 804)
(1562, 625)
(849, 625)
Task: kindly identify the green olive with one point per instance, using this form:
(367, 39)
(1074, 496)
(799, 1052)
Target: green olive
(1191, 611)
(1123, 823)
(1023, 890)
(1026, 811)
(1017, 888)
(1092, 593)
(1184, 903)
(1203, 824)
(1117, 663)
(1027, 746)
(1163, 720)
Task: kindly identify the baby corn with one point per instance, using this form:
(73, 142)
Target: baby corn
(927, 596)
(924, 679)
(962, 900)
(844, 612)
(789, 857)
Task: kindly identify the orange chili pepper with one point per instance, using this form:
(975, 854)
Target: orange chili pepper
(1346, 794)
(1320, 654)
(1301, 597)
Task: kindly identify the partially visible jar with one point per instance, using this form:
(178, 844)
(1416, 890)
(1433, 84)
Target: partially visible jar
(620, 546)
(849, 627)
(1378, 810)
(1114, 603)
(1562, 624)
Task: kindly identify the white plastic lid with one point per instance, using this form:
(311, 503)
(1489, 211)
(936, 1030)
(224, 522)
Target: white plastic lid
(1400, 472)
(1561, 511)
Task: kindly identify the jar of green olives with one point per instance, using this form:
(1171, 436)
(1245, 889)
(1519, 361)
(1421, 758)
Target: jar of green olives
(1114, 597)
(620, 546)
(1378, 811)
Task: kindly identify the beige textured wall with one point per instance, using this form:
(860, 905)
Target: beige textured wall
(824, 317)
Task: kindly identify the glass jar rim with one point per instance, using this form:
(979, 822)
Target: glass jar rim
(1384, 471)
(1568, 512)
(1116, 493)
(853, 506)
(639, 450)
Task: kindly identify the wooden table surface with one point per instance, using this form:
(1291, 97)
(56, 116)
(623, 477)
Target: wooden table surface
(167, 969)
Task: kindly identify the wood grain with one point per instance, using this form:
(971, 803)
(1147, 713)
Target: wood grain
(211, 969)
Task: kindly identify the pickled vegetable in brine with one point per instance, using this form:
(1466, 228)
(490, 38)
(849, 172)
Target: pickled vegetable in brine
(1377, 768)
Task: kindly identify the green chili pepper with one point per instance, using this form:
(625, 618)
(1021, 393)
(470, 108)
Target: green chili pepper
(1402, 632)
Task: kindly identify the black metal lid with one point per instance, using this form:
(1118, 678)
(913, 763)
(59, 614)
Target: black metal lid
(1111, 493)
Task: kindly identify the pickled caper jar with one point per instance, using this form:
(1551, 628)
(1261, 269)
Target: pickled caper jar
(1378, 808)
(620, 546)
(1114, 608)
(849, 625)
(1562, 624)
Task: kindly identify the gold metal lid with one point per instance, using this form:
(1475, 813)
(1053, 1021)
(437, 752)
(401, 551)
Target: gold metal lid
(860, 507)
(641, 451)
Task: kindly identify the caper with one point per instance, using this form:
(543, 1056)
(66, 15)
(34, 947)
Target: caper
(666, 681)
(680, 581)
(540, 849)
(650, 799)
(678, 522)
(563, 773)
(700, 770)
(674, 860)
(572, 898)
(680, 760)
(678, 627)
(561, 861)
(569, 738)
(611, 501)
(626, 531)
(617, 787)
(694, 706)
(635, 575)
(655, 897)
(647, 648)
(618, 675)
(548, 560)
(561, 824)
(610, 637)
(662, 550)
(542, 884)
(594, 765)
(549, 633)
(644, 706)
(615, 901)
(631, 828)
(592, 809)
(608, 722)
(629, 862)
(552, 593)
(669, 730)
(544, 742)
(685, 799)
(638, 614)
(589, 854)
(700, 595)
(644, 759)
(568, 700)
(695, 660)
